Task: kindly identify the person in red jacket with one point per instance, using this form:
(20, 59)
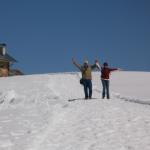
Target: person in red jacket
(105, 74)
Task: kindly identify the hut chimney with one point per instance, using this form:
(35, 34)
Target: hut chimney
(2, 49)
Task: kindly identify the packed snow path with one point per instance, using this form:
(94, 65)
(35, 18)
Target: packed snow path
(35, 114)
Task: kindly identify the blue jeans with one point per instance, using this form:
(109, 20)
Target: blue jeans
(105, 84)
(87, 88)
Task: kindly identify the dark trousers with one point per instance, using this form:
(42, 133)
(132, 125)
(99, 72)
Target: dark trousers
(87, 88)
(105, 84)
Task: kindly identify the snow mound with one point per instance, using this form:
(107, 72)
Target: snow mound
(8, 97)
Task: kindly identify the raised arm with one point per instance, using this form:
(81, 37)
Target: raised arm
(116, 69)
(97, 65)
(76, 64)
(113, 69)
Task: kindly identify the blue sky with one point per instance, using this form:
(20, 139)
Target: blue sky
(43, 35)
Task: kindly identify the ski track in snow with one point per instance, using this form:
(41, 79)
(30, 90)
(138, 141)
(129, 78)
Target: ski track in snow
(132, 100)
(46, 120)
(125, 98)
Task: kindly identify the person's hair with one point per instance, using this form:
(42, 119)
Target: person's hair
(105, 64)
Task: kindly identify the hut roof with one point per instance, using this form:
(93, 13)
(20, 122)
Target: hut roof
(7, 58)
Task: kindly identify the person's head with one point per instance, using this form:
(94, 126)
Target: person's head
(105, 64)
(85, 63)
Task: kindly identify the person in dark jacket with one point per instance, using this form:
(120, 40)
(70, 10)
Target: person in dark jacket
(105, 76)
(86, 71)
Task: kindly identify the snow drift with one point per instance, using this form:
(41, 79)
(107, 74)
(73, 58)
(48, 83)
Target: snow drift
(35, 113)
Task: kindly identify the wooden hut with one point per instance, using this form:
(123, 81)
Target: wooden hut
(5, 61)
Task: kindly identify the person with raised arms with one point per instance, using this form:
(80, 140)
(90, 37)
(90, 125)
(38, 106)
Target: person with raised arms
(86, 80)
(105, 77)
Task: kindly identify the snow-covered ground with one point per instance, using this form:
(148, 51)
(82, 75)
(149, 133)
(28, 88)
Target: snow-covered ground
(35, 113)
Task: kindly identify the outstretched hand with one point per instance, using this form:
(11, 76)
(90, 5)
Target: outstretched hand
(119, 69)
(76, 64)
(97, 63)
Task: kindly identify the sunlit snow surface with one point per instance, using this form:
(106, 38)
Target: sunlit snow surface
(48, 112)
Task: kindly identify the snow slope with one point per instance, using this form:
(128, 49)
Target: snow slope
(35, 113)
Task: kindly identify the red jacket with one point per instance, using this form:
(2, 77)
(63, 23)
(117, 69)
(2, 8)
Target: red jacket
(105, 72)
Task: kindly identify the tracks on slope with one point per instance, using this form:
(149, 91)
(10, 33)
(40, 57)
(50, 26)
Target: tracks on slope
(127, 99)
